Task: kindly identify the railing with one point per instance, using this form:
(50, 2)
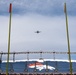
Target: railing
(31, 52)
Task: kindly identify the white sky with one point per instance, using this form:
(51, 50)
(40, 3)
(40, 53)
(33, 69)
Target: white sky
(23, 36)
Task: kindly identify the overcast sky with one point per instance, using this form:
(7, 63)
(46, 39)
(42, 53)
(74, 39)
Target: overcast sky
(46, 16)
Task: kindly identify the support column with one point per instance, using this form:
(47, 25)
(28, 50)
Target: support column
(26, 67)
(35, 67)
(40, 55)
(26, 63)
(13, 57)
(47, 66)
(11, 67)
(56, 69)
(11, 63)
(0, 62)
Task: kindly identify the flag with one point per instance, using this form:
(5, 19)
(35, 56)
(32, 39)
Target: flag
(65, 7)
(10, 8)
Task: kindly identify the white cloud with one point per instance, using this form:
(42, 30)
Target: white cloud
(46, 7)
(23, 38)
